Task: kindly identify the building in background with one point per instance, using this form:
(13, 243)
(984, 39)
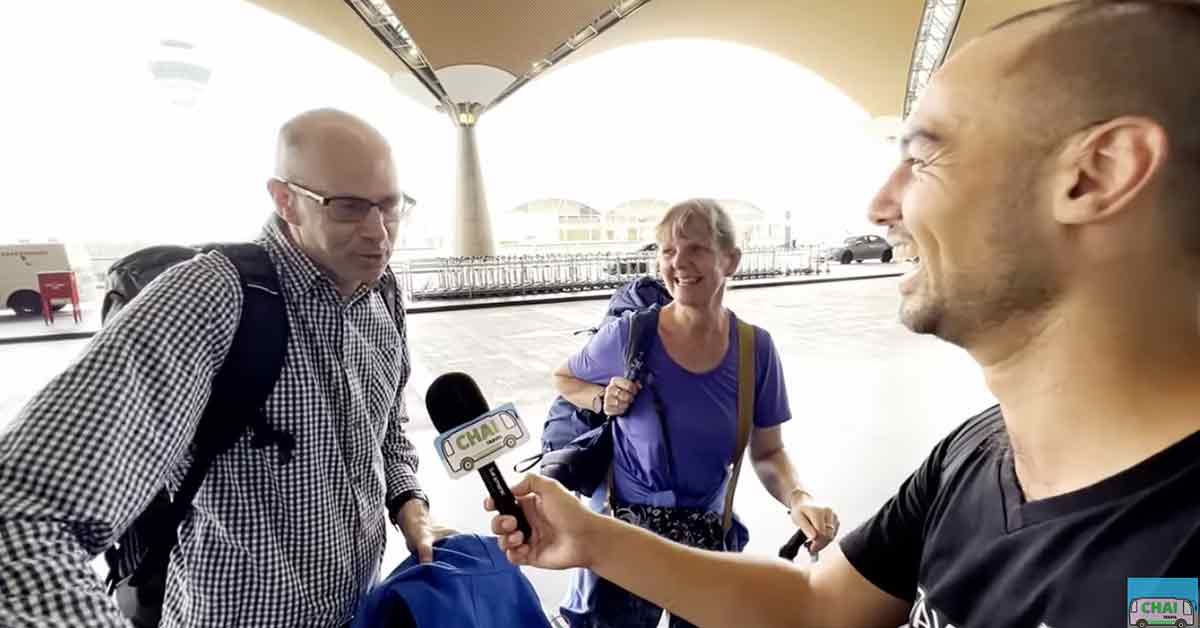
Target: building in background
(561, 222)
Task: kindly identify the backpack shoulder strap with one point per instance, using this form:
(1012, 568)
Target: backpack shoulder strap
(642, 329)
(247, 376)
(747, 369)
(389, 290)
(255, 359)
(241, 386)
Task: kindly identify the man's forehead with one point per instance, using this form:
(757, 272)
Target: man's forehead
(935, 117)
(1001, 51)
(968, 85)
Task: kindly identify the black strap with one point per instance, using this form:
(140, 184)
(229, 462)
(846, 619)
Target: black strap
(250, 370)
(242, 385)
(643, 329)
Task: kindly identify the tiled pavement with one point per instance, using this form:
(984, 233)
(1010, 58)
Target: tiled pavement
(869, 398)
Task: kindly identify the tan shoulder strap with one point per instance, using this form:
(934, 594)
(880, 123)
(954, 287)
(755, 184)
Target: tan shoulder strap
(745, 404)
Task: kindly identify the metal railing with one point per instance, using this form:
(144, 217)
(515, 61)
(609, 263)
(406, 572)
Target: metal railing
(560, 273)
(525, 275)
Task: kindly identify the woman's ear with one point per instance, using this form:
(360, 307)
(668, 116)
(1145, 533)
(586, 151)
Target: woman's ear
(733, 260)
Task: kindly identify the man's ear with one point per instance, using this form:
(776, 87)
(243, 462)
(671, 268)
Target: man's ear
(1106, 168)
(284, 200)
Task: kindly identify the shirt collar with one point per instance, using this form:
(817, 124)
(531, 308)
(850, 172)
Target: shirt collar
(298, 273)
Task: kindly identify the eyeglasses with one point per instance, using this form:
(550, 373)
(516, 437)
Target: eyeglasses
(351, 209)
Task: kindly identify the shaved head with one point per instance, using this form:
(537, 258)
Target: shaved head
(1046, 158)
(326, 158)
(1091, 61)
(314, 143)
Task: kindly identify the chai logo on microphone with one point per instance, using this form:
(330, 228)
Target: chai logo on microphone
(481, 441)
(1162, 602)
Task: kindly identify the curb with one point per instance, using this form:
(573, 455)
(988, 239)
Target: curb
(605, 295)
(485, 304)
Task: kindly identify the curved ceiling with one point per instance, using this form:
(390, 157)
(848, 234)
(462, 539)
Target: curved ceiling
(862, 47)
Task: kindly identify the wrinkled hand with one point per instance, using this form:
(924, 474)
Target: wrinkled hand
(560, 526)
(419, 531)
(820, 524)
(619, 395)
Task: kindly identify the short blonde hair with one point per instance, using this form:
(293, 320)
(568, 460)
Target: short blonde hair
(684, 218)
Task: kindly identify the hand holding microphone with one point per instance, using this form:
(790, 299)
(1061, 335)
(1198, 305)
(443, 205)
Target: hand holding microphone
(473, 437)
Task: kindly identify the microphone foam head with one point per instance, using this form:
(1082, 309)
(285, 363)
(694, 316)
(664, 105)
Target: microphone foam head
(454, 399)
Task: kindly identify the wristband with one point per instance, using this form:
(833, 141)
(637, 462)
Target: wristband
(400, 500)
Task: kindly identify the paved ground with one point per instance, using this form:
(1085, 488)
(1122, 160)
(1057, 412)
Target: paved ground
(869, 398)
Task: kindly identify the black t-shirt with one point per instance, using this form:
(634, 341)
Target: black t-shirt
(961, 543)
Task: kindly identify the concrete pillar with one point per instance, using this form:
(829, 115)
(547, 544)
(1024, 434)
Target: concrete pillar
(472, 222)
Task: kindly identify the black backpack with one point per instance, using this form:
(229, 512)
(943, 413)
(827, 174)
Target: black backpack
(138, 562)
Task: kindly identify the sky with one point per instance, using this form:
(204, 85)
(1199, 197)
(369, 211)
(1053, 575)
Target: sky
(93, 149)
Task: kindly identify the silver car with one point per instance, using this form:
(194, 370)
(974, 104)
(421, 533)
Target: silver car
(859, 248)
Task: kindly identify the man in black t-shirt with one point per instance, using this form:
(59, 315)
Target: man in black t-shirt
(1050, 187)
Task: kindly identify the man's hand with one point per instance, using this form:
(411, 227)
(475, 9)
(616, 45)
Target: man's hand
(820, 524)
(419, 530)
(561, 526)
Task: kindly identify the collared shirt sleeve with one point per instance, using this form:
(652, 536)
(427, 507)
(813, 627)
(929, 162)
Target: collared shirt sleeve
(399, 454)
(86, 454)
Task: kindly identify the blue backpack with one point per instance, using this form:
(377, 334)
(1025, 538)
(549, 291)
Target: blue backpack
(469, 584)
(576, 442)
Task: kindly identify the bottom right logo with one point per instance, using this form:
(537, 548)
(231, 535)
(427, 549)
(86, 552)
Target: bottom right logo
(1162, 602)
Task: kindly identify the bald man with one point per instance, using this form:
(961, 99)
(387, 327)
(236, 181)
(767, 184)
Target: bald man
(1050, 186)
(267, 543)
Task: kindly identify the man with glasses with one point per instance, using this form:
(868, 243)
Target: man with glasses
(267, 543)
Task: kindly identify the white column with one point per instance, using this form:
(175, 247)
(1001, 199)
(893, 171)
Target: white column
(472, 222)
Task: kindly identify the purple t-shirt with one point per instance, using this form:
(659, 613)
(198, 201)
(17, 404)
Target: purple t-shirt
(701, 417)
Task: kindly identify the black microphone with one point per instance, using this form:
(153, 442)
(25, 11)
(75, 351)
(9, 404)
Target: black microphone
(453, 400)
(792, 547)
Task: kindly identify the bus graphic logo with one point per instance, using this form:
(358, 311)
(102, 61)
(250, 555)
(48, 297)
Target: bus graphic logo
(1162, 602)
(481, 441)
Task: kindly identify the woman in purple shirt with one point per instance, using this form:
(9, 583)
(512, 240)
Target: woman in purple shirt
(691, 395)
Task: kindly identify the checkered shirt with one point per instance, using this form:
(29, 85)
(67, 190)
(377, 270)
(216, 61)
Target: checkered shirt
(267, 544)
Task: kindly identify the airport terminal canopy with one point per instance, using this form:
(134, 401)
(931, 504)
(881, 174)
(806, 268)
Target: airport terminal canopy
(468, 56)
(483, 50)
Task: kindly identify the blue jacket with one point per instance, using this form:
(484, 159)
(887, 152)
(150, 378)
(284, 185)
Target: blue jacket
(469, 584)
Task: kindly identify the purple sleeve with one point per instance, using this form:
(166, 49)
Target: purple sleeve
(603, 358)
(770, 394)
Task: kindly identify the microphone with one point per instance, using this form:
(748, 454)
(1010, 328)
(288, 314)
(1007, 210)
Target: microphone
(792, 547)
(472, 436)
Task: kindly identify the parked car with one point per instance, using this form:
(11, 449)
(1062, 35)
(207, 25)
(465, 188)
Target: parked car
(20, 265)
(859, 248)
(639, 267)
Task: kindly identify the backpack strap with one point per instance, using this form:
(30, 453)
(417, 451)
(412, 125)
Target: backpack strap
(643, 328)
(255, 360)
(390, 292)
(241, 386)
(747, 369)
